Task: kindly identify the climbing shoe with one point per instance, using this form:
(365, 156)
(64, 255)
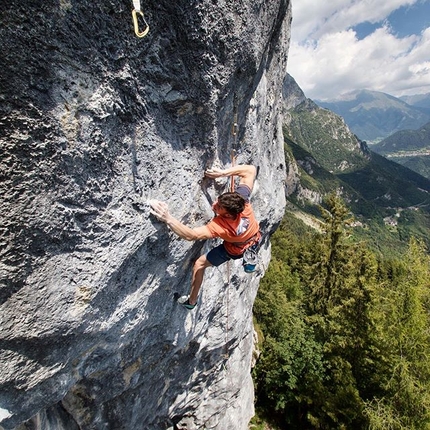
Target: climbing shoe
(185, 302)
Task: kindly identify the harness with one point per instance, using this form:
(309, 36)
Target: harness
(254, 240)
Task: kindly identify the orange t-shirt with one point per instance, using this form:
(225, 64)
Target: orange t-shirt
(236, 232)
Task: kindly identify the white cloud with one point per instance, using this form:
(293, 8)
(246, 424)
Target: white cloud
(332, 60)
(311, 20)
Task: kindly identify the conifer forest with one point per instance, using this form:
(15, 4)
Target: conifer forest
(343, 330)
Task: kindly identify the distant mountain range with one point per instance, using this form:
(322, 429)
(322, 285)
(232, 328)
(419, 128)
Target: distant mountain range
(411, 148)
(391, 203)
(405, 140)
(373, 115)
(418, 100)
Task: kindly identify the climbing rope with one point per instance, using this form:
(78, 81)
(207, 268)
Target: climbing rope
(231, 189)
(226, 324)
(137, 11)
(234, 130)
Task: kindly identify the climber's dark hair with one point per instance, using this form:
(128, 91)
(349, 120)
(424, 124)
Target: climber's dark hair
(233, 203)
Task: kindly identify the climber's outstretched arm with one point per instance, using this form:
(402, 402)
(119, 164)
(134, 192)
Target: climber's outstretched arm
(246, 173)
(161, 211)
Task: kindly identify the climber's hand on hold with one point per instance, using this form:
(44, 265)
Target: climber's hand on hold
(215, 172)
(159, 210)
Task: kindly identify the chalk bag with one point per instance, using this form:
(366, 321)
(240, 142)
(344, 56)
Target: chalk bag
(250, 260)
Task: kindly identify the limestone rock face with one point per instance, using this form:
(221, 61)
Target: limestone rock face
(292, 94)
(94, 122)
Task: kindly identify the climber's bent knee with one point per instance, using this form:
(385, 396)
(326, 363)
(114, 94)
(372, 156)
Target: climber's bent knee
(202, 262)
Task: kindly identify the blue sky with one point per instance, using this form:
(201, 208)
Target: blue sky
(404, 21)
(345, 45)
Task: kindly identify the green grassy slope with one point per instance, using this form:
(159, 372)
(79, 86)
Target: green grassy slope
(391, 203)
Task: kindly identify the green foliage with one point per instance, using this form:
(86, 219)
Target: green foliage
(388, 184)
(404, 319)
(405, 140)
(290, 365)
(261, 423)
(346, 333)
(313, 128)
(374, 191)
(414, 223)
(419, 163)
(330, 159)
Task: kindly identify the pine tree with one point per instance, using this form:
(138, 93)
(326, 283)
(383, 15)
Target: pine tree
(289, 367)
(340, 278)
(404, 313)
(347, 336)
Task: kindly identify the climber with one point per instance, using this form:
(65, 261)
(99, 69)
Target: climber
(234, 222)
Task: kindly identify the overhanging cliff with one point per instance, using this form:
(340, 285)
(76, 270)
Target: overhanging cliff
(94, 122)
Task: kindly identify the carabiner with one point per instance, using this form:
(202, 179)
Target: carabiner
(136, 23)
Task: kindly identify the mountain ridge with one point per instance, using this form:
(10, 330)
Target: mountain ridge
(374, 115)
(418, 100)
(410, 148)
(405, 140)
(376, 189)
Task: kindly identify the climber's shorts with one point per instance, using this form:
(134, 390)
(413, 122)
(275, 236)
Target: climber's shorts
(219, 255)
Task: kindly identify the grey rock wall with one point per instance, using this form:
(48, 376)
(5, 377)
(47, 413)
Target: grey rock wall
(94, 122)
(292, 95)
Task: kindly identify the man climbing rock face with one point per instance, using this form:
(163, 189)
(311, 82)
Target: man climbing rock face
(234, 222)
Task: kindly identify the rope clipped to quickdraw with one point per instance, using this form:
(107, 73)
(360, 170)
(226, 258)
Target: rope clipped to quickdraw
(135, 12)
(234, 132)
